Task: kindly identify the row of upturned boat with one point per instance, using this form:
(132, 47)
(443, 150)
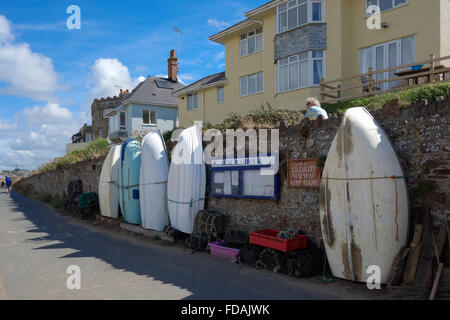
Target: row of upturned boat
(364, 211)
(136, 178)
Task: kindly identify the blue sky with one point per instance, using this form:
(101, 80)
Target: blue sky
(50, 74)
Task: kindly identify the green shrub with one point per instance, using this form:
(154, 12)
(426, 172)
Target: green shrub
(429, 92)
(96, 149)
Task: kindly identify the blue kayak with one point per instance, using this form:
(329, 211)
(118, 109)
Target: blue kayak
(129, 182)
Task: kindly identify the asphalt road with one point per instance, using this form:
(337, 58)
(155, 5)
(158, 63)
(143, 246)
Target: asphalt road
(37, 246)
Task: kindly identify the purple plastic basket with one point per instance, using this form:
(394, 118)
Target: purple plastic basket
(219, 249)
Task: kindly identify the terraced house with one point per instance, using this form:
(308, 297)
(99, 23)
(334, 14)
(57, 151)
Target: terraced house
(280, 53)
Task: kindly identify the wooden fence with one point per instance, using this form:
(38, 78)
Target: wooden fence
(366, 84)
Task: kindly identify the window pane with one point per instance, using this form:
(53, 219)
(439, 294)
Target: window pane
(243, 36)
(284, 62)
(153, 117)
(244, 86)
(282, 8)
(252, 84)
(282, 20)
(318, 71)
(317, 11)
(385, 4)
(317, 54)
(408, 50)
(292, 18)
(303, 74)
(220, 94)
(145, 117)
(251, 45)
(244, 48)
(392, 54)
(399, 2)
(366, 59)
(259, 42)
(195, 101)
(122, 119)
(284, 78)
(293, 76)
(303, 56)
(189, 102)
(303, 14)
(259, 31)
(260, 82)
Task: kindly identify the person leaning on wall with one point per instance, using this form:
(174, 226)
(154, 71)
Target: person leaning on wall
(314, 109)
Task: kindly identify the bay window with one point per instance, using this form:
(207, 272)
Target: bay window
(252, 84)
(300, 71)
(299, 12)
(251, 42)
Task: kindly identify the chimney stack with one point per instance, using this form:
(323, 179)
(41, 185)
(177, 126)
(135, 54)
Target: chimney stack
(173, 67)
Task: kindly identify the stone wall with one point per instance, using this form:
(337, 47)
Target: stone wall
(421, 137)
(55, 182)
(420, 134)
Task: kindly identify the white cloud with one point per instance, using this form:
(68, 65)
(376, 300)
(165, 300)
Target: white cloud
(40, 136)
(219, 56)
(108, 75)
(4, 126)
(218, 24)
(50, 113)
(25, 73)
(5, 30)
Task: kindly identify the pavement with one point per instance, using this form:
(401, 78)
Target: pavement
(37, 246)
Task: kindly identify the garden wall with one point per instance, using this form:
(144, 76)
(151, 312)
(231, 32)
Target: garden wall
(54, 183)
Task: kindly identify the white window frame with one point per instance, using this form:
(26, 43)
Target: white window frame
(394, 6)
(385, 45)
(255, 35)
(310, 73)
(194, 106)
(151, 115)
(247, 77)
(218, 94)
(309, 4)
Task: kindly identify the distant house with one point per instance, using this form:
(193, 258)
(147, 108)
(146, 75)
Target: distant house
(150, 105)
(84, 135)
(81, 139)
(99, 108)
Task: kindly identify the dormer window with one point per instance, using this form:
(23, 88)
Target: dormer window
(251, 42)
(298, 13)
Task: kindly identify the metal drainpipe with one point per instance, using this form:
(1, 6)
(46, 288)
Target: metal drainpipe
(263, 49)
(203, 107)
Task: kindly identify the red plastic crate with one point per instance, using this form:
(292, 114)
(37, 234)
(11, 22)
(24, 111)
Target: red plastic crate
(268, 238)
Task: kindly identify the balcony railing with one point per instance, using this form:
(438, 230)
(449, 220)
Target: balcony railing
(407, 76)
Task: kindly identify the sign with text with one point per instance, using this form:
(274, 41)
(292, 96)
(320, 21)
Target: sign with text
(303, 173)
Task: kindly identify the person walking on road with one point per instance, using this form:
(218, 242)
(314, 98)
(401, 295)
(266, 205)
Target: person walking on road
(8, 184)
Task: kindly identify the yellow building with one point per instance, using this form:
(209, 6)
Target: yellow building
(278, 55)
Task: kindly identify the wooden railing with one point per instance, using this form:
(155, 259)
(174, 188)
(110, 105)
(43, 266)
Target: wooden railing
(343, 89)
